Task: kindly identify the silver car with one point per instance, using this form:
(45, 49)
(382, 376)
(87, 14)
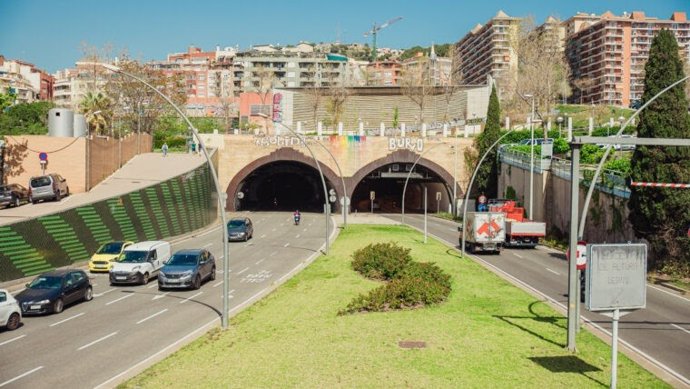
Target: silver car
(49, 187)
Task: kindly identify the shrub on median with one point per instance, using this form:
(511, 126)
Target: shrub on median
(381, 261)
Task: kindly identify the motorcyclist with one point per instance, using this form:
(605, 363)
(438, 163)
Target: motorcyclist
(297, 216)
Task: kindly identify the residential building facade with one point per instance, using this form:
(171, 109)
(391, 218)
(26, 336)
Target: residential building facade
(27, 81)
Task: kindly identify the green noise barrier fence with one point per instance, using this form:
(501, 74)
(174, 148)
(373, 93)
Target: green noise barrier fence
(173, 207)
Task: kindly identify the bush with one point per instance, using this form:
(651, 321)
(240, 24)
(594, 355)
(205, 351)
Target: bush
(381, 261)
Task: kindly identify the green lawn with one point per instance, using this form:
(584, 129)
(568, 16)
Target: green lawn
(488, 334)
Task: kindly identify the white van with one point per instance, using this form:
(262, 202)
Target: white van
(139, 262)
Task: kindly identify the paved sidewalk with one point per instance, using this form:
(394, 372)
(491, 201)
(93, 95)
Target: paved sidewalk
(141, 171)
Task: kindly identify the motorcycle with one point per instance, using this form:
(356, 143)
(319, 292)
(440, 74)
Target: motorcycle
(297, 220)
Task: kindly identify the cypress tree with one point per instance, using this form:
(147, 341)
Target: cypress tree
(487, 175)
(662, 215)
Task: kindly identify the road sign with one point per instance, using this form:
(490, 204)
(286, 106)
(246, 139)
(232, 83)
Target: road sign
(43, 156)
(344, 201)
(240, 195)
(482, 199)
(616, 276)
(438, 196)
(580, 255)
(372, 195)
(332, 198)
(331, 192)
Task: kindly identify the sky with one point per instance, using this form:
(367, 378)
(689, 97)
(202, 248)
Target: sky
(51, 33)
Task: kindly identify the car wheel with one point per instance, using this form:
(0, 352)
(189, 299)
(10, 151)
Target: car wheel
(197, 282)
(246, 237)
(13, 322)
(32, 200)
(145, 278)
(15, 201)
(88, 295)
(212, 277)
(58, 196)
(58, 306)
(67, 191)
(160, 287)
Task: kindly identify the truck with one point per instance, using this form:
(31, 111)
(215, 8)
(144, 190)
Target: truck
(520, 232)
(484, 231)
(139, 262)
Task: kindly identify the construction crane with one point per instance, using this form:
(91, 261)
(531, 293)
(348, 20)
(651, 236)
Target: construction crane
(374, 31)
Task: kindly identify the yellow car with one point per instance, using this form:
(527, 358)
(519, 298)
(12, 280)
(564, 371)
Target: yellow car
(103, 259)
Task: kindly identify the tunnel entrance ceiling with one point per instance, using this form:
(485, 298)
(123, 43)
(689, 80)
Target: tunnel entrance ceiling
(282, 186)
(388, 181)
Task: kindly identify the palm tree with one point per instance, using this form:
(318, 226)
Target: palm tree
(97, 108)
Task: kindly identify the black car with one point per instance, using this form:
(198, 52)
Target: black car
(13, 195)
(51, 292)
(240, 228)
(187, 269)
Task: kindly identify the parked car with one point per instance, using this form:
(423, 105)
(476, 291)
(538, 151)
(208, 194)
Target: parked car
(49, 187)
(13, 195)
(240, 228)
(10, 313)
(102, 260)
(537, 141)
(620, 147)
(139, 262)
(51, 292)
(187, 269)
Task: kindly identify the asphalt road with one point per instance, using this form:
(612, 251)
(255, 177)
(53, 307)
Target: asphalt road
(660, 333)
(124, 328)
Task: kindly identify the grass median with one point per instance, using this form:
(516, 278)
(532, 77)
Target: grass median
(487, 334)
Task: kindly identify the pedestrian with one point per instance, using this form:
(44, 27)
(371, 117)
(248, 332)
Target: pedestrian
(164, 148)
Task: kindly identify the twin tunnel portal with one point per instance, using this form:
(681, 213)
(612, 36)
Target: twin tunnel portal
(287, 178)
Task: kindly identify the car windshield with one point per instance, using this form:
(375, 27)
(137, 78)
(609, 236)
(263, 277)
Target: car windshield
(40, 181)
(133, 256)
(111, 248)
(236, 223)
(183, 260)
(46, 283)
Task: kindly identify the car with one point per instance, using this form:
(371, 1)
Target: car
(139, 262)
(102, 259)
(13, 195)
(620, 147)
(51, 292)
(10, 313)
(187, 269)
(48, 187)
(240, 229)
(537, 141)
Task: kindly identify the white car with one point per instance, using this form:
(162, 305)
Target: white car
(10, 314)
(140, 262)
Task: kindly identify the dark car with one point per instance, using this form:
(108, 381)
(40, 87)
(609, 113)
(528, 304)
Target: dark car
(13, 195)
(240, 228)
(187, 269)
(51, 292)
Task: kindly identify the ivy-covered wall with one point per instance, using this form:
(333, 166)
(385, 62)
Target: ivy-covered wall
(174, 207)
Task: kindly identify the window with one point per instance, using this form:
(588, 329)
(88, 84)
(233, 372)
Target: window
(3, 297)
(77, 277)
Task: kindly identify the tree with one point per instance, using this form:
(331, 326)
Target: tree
(7, 100)
(98, 110)
(26, 119)
(417, 86)
(487, 175)
(338, 94)
(662, 215)
(316, 95)
(263, 87)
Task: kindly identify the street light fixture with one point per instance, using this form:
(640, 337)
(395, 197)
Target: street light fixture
(221, 202)
(531, 157)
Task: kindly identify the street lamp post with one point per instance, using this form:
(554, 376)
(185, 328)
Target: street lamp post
(531, 159)
(402, 219)
(88, 149)
(318, 167)
(221, 202)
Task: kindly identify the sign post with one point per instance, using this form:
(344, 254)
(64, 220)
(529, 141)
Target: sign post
(616, 285)
(43, 160)
(580, 265)
(438, 202)
(372, 197)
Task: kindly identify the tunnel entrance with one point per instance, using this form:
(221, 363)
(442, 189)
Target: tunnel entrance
(281, 186)
(387, 183)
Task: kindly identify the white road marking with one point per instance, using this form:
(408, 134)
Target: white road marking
(97, 340)
(190, 297)
(517, 255)
(297, 237)
(20, 376)
(159, 296)
(12, 340)
(207, 245)
(273, 230)
(273, 253)
(68, 319)
(242, 271)
(262, 236)
(553, 271)
(101, 294)
(121, 298)
(152, 286)
(667, 292)
(221, 257)
(681, 328)
(217, 284)
(152, 316)
(286, 244)
(304, 230)
(260, 260)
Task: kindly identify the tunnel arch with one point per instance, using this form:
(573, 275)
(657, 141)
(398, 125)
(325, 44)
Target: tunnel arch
(284, 156)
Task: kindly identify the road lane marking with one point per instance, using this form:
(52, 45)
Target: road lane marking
(152, 316)
(273, 253)
(553, 271)
(101, 294)
(68, 319)
(190, 297)
(517, 255)
(262, 236)
(159, 296)
(242, 271)
(260, 260)
(217, 284)
(286, 244)
(681, 328)
(12, 340)
(97, 340)
(273, 230)
(304, 230)
(207, 245)
(20, 376)
(152, 286)
(121, 298)
(297, 237)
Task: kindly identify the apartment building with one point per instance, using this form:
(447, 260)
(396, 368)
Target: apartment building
(487, 51)
(27, 81)
(71, 85)
(384, 73)
(436, 69)
(607, 55)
